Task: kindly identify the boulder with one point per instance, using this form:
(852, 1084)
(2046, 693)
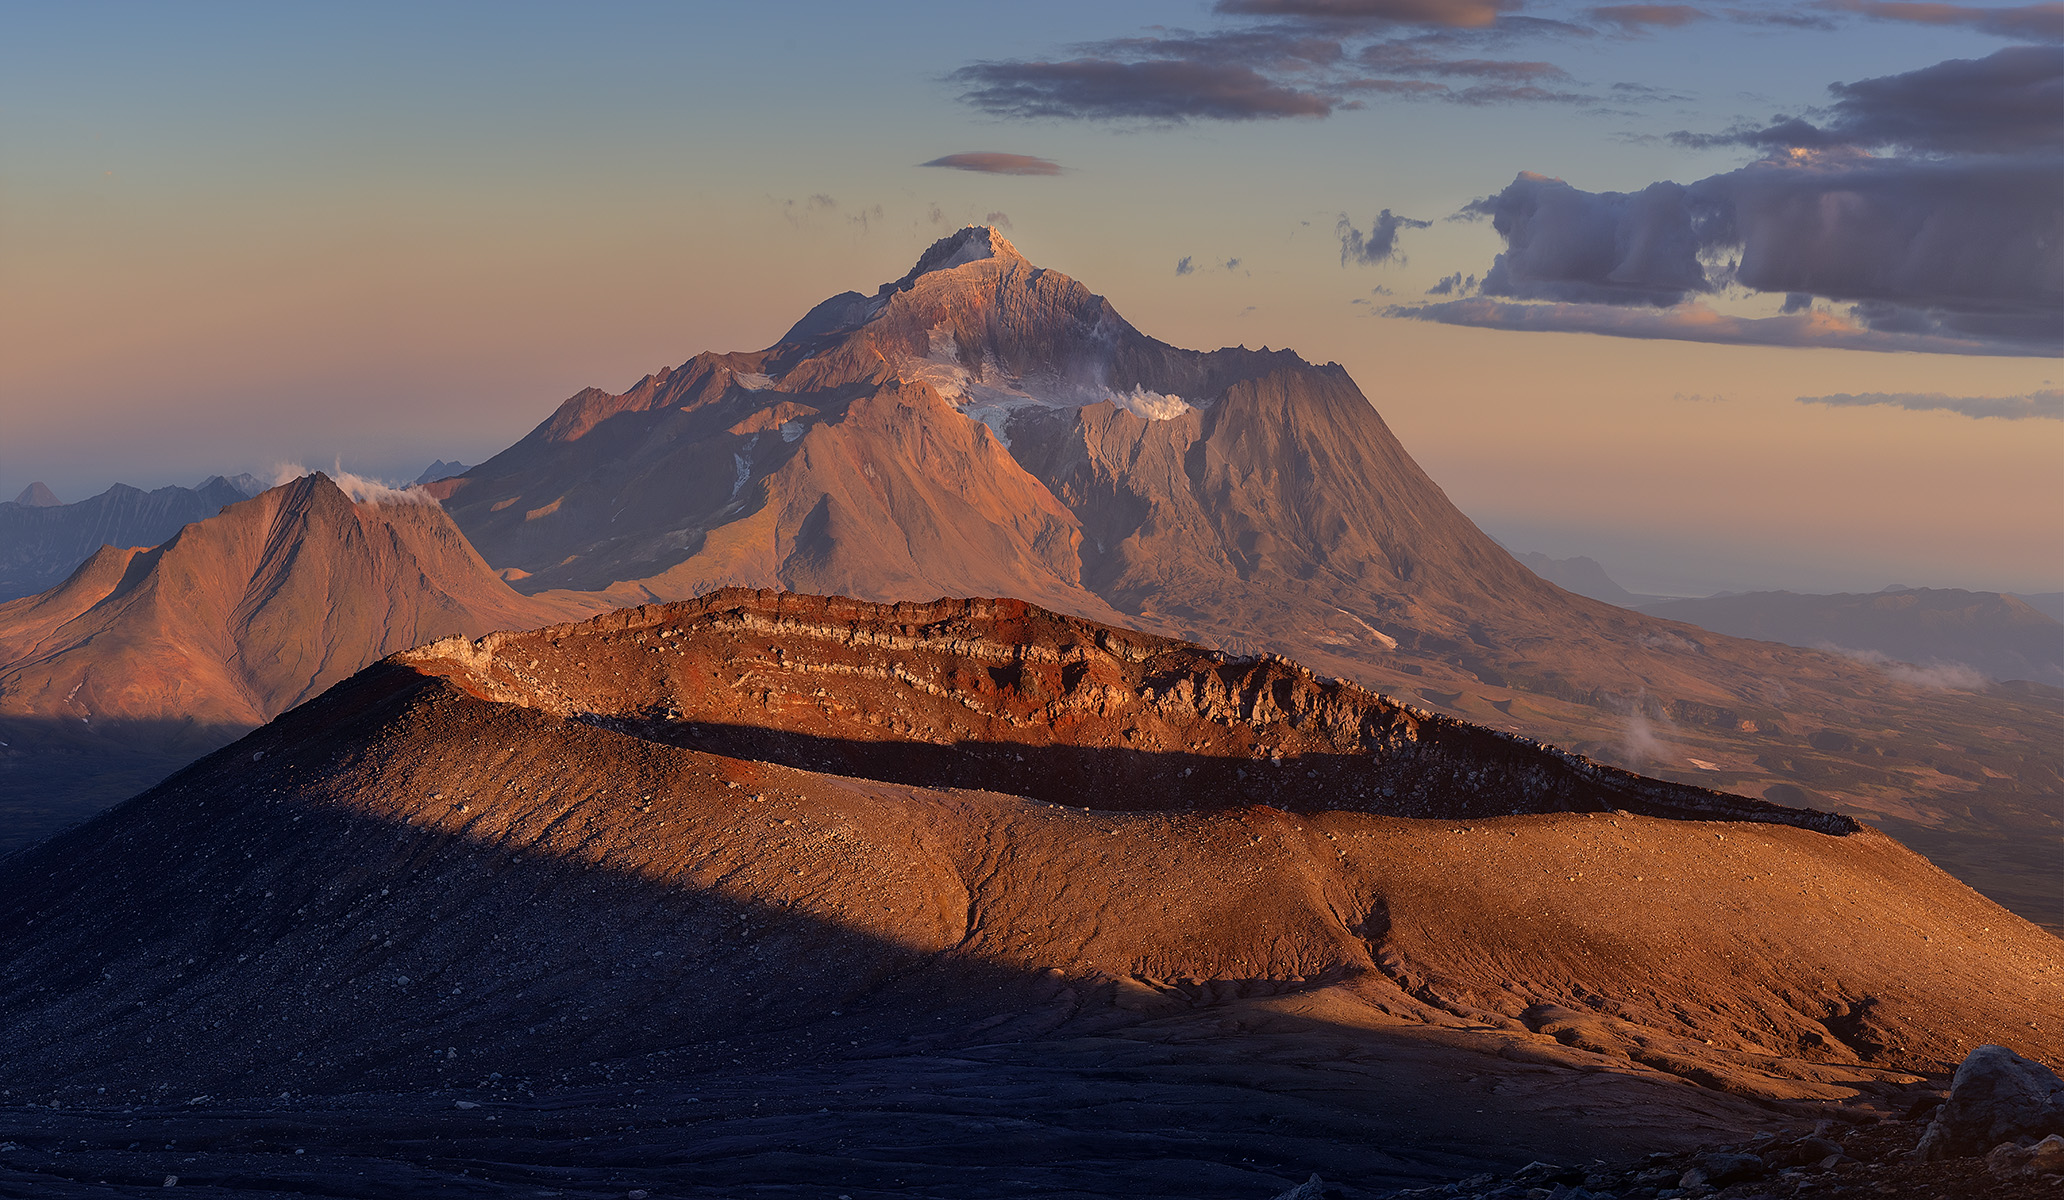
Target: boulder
(1721, 1169)
(1997, 1096)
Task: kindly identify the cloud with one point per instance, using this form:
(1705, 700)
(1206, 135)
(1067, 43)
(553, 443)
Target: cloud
(1171, 91)
(1379, 245)
(1637, 18)
(1942, 676)
(1938, 251)
(2005, 103)
(1412, 58)
(1699, 397)
(2028, 22)
(1506, 93)
(361, 489)
(2046, 405)
(1187, 265)
(1694, 322)
(1562, 243)
(999, 219)
(1450, 285)
(1298, 65)
(1459, 14)
(1785, 19)
(995, 162)
(799, 212)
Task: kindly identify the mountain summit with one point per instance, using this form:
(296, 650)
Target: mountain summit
(983, 426)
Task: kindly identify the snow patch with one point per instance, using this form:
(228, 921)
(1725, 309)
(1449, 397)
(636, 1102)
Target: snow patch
(791, 430)
(752, 383)
(1389, 642)
(992, 397)
(744, 464)
(971, 249)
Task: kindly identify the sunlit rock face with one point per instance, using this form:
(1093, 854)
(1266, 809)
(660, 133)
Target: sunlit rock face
(984, 426)
(766, 828)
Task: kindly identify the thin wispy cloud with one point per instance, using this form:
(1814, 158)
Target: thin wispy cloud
(995, 162)
(2026, 22)
(1160, 90)
(1692, 322)
(1461, 14)
(1302, 59)
(1939, 676)
(1639, 18)
(2045, 405)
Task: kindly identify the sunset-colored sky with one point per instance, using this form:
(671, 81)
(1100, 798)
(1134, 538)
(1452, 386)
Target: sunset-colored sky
(236, 236)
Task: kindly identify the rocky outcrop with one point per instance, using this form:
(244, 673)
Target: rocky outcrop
(1136, 720)
(1997, 1096)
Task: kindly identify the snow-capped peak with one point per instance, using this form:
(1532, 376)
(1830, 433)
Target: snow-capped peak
(972, 244)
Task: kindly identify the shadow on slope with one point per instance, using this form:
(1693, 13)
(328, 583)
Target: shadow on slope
(55, 772)
(705, 1018)
(1499, 777)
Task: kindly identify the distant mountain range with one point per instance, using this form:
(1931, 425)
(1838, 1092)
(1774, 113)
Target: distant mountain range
(42, 540)
(440, 469)
(1948, 634)
(985, 426)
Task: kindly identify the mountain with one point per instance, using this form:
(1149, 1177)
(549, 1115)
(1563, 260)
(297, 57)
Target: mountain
(1948, 633)
(42, 541)
(2051, 604)
(440, 469)
(769, 891)
(1581, 575)
(985, 426)
(144, 658)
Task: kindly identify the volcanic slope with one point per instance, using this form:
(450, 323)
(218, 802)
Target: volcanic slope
(976, 900)
(146, 658)
(984, 426)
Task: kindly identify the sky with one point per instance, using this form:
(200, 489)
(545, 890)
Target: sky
(1728, 295)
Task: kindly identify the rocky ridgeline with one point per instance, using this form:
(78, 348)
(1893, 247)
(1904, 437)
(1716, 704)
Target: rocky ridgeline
(1999, 1134)
(1016, 699)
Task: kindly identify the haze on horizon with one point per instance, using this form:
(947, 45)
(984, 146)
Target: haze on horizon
(379, 236)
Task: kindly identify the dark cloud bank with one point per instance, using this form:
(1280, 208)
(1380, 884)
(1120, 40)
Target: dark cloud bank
(1953, 243)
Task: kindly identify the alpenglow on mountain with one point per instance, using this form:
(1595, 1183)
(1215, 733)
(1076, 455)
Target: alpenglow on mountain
(983, 426)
